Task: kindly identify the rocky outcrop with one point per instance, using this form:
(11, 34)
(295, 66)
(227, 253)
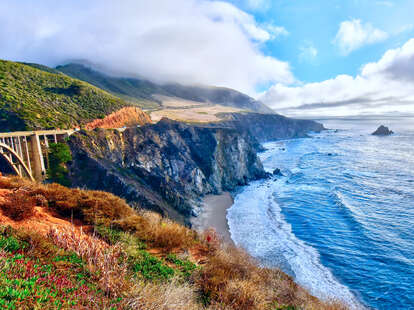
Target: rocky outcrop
(165, 167)
(125, 117)
(382, 131)
(268, 127)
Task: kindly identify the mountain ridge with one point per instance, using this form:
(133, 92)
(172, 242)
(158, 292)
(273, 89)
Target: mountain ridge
(141, 89)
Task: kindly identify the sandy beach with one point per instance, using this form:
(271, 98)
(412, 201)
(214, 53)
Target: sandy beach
(213, 215)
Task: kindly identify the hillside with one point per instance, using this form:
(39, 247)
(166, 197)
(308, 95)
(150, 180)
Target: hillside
(66, 248)
(133, 89)
(35, 97)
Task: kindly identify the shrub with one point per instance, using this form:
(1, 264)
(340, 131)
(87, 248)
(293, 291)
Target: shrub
(163, 233)
(59, 155)
(18, 205)
(10, 244)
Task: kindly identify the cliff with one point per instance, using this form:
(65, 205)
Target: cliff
(164, 167)
(128, 117)
(268, 127)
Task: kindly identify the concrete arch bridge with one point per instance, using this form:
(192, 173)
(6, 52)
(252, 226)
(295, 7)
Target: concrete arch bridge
(25, 152)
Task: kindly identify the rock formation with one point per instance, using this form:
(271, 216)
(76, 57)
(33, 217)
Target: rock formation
(382, 131)
(129, 117)
(165, 167)
(268, 127)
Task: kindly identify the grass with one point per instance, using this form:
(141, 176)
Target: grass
(132, 260)
(34, 98)
(18, 204)
(32, 279)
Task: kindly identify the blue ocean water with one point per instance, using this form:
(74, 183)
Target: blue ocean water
(341, 219)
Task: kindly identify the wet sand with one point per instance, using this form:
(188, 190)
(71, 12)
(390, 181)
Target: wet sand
(213, 215)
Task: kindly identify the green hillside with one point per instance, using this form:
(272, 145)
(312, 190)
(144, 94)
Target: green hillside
(34, 97)
(134, 90)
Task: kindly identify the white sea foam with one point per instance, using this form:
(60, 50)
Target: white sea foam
(258, 225)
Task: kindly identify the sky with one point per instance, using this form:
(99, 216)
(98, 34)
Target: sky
(316, 58)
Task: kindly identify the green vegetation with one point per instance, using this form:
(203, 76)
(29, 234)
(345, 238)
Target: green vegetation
(185, 266)
(125, 259)
(150, 267)
(59, 155)
(141, 92)
(48, 278)
(135, 91)
(32, 97)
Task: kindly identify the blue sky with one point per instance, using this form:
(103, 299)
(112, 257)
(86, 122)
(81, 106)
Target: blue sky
(315, 23)
(308, 58)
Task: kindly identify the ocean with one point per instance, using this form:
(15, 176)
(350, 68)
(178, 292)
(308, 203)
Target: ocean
(341, 218)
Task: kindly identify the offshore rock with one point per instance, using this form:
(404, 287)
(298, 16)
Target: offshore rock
(277, 172)
(382, 131)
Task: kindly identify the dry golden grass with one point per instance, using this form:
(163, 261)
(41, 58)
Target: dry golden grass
(233, 278)
(228, 279)
(102, 208)
(172, 295)
(18, 204)
(165, 234)
(108, 262)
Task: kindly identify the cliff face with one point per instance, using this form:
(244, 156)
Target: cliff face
(165, 167)
(268, 127)
(129, 117)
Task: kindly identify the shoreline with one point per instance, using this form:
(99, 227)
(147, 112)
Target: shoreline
(214, 215)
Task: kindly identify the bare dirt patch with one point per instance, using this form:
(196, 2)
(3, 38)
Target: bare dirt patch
(202, 114)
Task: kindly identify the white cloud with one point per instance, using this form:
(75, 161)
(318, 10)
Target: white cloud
(187, 41)
(276, 31)
(308, 52)
(226, 12)
(354, 34)
(258, 5)
(396, 64)
(382, 87)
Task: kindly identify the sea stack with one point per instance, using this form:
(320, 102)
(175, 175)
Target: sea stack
(382, 131)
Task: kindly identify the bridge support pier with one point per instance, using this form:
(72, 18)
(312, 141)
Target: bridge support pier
(38, 167)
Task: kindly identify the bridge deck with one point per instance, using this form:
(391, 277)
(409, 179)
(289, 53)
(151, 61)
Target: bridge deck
(37, 132)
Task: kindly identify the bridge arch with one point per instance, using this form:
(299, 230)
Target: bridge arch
(9, 154)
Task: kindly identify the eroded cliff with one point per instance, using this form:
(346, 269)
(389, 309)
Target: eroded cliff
(165, 167)
(268, 127)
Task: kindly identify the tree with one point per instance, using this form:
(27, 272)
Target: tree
(59, 155)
